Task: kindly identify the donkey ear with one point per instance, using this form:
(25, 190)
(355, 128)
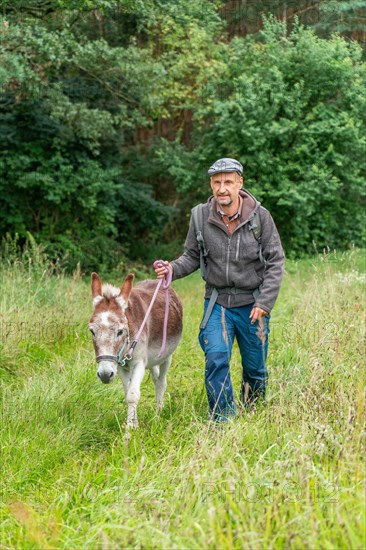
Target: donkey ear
(127, 287)
(96, 285)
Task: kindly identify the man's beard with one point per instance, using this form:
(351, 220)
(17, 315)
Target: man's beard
(227, 200)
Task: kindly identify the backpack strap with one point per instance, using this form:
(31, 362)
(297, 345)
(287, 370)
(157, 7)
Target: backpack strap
(198, 224)
(256, 228)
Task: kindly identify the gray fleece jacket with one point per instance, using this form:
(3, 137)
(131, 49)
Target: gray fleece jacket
(233, 259)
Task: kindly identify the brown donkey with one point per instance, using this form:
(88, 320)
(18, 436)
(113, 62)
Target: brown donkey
(118, 314)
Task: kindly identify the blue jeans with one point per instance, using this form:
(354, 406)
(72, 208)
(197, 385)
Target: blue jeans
(216, 340)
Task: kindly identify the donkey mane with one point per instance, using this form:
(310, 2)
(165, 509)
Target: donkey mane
(110, 291)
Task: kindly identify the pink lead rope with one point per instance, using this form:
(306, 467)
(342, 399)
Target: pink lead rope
(165, 284)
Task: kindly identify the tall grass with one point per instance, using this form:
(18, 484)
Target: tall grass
(290, 475)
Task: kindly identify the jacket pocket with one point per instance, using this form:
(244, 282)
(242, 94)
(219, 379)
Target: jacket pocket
(252, 280)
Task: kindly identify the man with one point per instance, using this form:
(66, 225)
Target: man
(243, 272)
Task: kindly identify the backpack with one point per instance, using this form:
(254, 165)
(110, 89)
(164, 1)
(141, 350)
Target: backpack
(254, 225)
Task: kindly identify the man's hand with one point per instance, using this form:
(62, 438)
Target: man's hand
(257, 313)
(161, 271)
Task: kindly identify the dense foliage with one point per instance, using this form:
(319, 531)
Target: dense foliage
(111, 111)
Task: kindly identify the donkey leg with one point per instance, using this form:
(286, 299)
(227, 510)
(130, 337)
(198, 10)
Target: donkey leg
(155, 370)
(155, 373)
(160, 383)
(125, 376)
(133, 394)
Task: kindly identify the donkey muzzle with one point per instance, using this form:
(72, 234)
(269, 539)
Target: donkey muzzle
(105, 373)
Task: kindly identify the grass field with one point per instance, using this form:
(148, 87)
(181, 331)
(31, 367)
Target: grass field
(291, 475)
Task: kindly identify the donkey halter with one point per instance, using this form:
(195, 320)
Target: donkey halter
(117, 358)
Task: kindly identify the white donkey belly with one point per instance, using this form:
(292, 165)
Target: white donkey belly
(154, 349)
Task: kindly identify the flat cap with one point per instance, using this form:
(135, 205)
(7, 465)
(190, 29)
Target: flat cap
(225, 165)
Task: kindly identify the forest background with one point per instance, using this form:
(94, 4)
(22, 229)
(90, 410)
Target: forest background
(112, 111)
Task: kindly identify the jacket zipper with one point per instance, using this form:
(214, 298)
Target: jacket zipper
(237, 247)
(227, 261)
(227, 270)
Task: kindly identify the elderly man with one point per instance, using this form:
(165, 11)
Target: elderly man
(236, 242)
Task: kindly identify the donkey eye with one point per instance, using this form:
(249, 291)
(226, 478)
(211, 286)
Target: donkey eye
(92, 331)
(119, 333)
